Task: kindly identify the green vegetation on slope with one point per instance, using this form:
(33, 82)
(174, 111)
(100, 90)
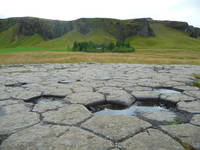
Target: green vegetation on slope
(119, 46)
(166, 38)
(197, 82)
(102, 31)
(68, 39)
(9, 38)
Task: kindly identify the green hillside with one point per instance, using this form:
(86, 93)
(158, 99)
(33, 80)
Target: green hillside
(9, 39)
(67, 40)
(143, 34)
(166, 38)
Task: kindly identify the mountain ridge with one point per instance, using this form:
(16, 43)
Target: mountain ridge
(31, 31)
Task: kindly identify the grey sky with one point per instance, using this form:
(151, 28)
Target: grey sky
(180, 10)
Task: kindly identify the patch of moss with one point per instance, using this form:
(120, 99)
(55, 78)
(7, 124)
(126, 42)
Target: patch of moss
(197, 82)
(197, 76)
(185, 145)
(174, 122)
(25, 71)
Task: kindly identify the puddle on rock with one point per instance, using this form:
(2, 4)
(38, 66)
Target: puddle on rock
(164, 90)
(44, 99)
(18, 84)
(139, 107)
(154, 110)
(2, 112)
(67, 81)
(133, 110)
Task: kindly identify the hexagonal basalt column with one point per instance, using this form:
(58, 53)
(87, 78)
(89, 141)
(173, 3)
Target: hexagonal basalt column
(151, 140)
(117, 96)
(176, 97)
(115, 127)
(55, 137)
(195, 120)
(192, 107)
(78, 139)
(36, 137)
(145, 95)
(70, 114)
(187, 133)
(85, 98)
(46, 106)
(14, 122)
(120, 97)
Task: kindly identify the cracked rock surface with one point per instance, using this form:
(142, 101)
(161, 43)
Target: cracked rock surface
(51, 107)
(150, 140)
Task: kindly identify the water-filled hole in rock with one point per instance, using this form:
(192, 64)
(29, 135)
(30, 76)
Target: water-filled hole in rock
(167, 90)
(139, 107)
(17, 84)
(44, 99)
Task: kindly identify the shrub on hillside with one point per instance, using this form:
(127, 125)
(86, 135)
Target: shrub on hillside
(119, 46)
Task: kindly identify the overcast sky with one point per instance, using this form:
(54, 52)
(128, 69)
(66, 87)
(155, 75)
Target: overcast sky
(180, 10)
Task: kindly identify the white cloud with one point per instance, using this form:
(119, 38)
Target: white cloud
(183, 10)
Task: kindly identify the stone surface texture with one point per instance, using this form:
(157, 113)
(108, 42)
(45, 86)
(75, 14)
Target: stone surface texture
(61, 119)
(150, 140)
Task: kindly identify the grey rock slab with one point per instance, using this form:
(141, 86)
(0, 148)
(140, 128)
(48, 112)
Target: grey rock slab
(67, 81)
(85, 98)
(14, 122)
(187, 133)
(82, 89)
(172, 83)
(182, 79)
(70, 114)
(46, 106)
(36, 137)
(173, 97)
(195, 120)
(107, 90)
(151, 140)
(24, 94)
(78, 139)
(114, 83)
(8, 102)
(193, 107)
(160, 115)
(148, 83)
(195, 94)
(117, 95)
(57, 91)
(121, 97)
(115, 127)
(138, 88)
(15, 109)
(187, 88)
(140, 95)
(4, 94)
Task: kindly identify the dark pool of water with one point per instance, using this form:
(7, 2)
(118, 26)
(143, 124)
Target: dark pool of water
(137, 108)
(166, 91)
(44, 99)
(133, 110)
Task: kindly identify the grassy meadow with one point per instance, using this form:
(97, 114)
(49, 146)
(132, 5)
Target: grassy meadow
(139, 57)
(169, 46)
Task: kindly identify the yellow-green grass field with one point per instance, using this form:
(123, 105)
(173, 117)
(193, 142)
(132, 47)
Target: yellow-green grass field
(141, 56)
(169, 46)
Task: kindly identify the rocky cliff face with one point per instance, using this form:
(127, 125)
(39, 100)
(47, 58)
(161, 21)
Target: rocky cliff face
(120, 29)
(50, 29)
(185, 27)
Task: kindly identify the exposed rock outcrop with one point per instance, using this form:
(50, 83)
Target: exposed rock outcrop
(185, 27)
